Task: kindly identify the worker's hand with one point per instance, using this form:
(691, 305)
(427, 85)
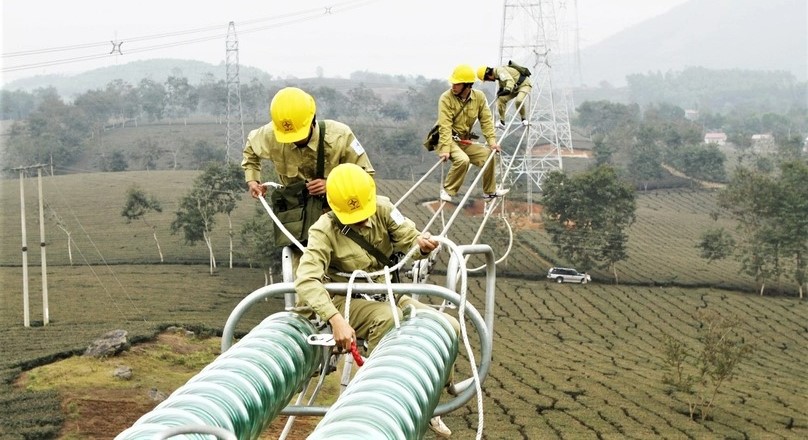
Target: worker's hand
(316, 187)
(426, 243)
(496, 148)
(504, 92)
(342, 331)
(444, 156)
(256, 189)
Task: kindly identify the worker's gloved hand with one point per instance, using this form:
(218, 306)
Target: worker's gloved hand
(504, 92)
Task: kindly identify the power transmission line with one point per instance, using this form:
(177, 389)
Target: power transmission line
(221, 33)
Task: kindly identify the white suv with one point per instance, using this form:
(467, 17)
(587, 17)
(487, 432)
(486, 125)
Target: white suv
(565, 274)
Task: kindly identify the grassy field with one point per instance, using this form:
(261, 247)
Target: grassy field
(570, 361)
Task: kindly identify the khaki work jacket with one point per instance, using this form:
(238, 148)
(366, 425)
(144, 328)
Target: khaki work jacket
(507, 77)
(293, 163)
(329, 252)
(476, 109)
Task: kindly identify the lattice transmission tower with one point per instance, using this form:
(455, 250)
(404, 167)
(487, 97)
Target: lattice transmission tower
(235, 121)
(531, 37)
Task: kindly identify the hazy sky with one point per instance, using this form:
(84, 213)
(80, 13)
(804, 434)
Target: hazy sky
(410, 37)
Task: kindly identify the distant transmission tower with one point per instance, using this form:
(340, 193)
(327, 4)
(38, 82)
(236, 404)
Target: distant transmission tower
(235, 122)
(530, 37)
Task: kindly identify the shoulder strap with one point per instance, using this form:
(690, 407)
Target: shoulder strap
(461, 109)
(454, 133)
(353, 235)
(321, 151)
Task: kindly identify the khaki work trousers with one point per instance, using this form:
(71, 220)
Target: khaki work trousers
(461, 156)
(371, 320)
(518, 97)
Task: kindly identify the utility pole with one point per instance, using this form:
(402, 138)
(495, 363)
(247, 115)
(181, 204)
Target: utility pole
(531, 37)
(42, 247)
(235, 122)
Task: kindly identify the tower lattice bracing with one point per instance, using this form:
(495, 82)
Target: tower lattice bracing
(235, 122)
(532, 34)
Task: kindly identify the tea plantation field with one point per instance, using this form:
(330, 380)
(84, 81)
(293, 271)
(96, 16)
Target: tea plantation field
(570, 361)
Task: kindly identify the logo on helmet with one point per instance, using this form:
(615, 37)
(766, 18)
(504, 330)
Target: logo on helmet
(354, 204)
(288, 125)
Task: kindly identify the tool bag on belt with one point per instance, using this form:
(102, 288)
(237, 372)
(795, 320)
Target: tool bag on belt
(296, 209)
(433, 137)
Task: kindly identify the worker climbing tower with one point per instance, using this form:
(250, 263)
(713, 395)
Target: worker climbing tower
(532, 36)
(235, 122)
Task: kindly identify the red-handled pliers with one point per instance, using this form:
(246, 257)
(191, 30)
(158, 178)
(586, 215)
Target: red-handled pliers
(356, 356)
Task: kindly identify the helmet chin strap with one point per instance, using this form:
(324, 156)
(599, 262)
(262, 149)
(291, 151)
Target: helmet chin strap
(466, 90)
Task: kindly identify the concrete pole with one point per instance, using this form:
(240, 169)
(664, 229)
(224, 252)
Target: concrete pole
(42, 243)
(26, 312)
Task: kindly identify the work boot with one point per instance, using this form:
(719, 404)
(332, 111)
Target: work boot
(525, 123)
(439, 428)
(500, 125)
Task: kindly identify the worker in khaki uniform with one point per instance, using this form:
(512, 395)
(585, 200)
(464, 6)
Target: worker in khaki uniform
(458, 109)
(351, 193)
(512, 85)
(290, 141)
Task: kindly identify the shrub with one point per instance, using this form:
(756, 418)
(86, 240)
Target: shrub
(722, 349)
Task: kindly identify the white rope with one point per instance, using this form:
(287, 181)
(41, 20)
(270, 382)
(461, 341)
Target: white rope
(275, 218)
(486, 216)
(390, 298)
(350, 287)
(507, 251)
(464, 332)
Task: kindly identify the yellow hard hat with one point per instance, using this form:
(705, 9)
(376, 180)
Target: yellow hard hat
(481, 72)
(351, 193)
(291, 111)
(462, 74)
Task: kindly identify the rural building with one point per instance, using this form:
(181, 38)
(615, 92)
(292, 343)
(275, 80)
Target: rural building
(763, 143)
(718, 138)
(691, 115)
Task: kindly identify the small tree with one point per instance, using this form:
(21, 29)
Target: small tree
(195, 219)
(716, 244)
(226, 185)
(203, 152)
(722, 349)
(258, 242)
(115, 162)
(646, 163)
(137, 205)
(148, 153)
(216, 190)
(771, 211)
(587, 216)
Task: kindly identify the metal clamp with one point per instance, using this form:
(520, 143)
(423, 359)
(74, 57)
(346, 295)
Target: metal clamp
(322, 339)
